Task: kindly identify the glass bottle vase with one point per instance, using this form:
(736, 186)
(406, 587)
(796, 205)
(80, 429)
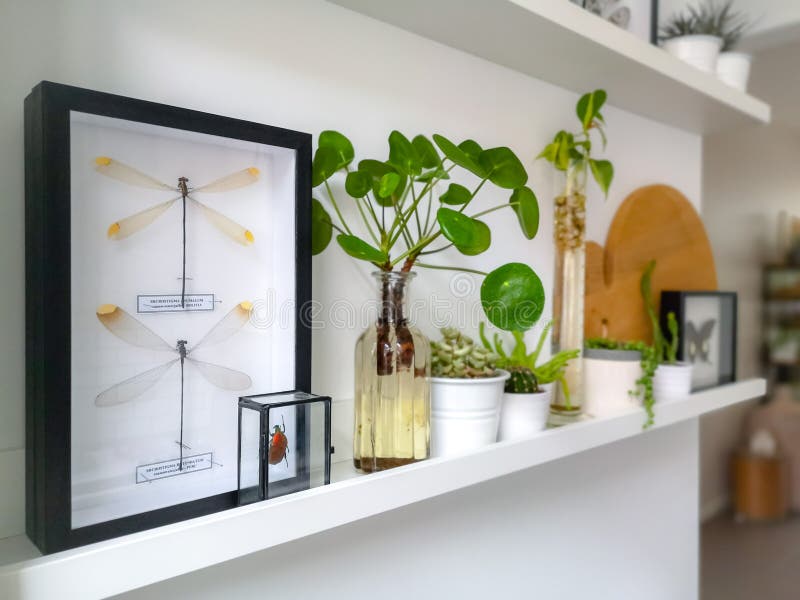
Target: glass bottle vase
(392, 390)
(568, 293)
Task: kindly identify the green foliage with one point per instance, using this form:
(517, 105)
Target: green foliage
(522, 381)
(665, 350)
(672, 346)
(574, 150)
(709, 18)
(358, 248)
(512, 297)
(457, 356)
(470, 236)
(649, 363)
(519, 357)
(321, 230)
(527, 208)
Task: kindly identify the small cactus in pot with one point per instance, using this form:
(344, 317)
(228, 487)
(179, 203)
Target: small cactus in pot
(522, 381)
(458, 357)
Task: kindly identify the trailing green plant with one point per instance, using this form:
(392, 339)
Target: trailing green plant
(402, 214)
(519, 357)
(457, 356)
(649, 362)
(666, 350)
(522, 381)
(572, 152)
(709, 18)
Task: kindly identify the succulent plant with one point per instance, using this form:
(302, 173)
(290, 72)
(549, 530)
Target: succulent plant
(457, 356)
(522, 381)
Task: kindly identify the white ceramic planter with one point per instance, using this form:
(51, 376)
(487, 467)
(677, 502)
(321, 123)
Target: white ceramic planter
(524, 415)
(700, 51)
(464, 413)
(733, 68)
(672, 382)
(608, 378)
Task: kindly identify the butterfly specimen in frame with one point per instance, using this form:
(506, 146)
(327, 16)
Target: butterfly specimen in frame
(698, 341)
(126, 227)
(132, 331)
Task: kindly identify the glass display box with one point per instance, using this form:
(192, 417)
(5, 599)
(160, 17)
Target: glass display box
(284, 444)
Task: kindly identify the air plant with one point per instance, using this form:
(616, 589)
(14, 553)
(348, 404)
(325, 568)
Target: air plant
(457, 356)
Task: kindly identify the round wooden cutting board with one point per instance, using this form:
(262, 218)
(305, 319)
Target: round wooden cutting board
(654, 222)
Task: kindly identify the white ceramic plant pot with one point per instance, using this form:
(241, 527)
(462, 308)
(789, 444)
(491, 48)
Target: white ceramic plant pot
(464, 413)
(609, 377)
(672, 382)
(700, 51)
(524, 415)
(733, 68)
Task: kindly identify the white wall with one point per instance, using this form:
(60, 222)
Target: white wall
(306, 65)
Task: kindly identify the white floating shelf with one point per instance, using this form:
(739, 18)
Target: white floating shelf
(173, 550)
(559, 42)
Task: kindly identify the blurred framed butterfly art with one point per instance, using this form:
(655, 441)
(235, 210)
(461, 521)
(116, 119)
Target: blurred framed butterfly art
(707, 334)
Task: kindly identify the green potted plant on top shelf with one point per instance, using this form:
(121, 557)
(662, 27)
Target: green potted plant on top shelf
(404, 218)
(466, 388)
(528, 392)
(691, 36)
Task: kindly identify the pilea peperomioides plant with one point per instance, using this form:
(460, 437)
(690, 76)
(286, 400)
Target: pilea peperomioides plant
(404, 213)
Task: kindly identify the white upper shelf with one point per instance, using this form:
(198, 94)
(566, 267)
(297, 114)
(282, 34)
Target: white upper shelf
(559, 42)
(144, 558)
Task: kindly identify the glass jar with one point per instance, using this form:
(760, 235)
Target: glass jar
(392, 391)
(568, 294)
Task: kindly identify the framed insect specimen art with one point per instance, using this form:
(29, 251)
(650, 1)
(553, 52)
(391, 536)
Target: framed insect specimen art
(640, 17)
(707, 334)
(284, 444)
(167, 267)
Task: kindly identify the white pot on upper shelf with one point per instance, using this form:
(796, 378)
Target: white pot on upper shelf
(672, 381)
(700, 51)
(733, 68)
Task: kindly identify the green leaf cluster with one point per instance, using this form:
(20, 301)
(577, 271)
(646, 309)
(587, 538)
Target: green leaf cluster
(402, 213)
(573, 151)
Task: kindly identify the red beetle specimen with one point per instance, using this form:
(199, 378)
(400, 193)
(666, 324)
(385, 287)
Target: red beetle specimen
(278, 445)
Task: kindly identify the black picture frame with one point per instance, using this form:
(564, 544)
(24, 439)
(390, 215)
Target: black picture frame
(48, 284)
(653, 29)
(678, 302)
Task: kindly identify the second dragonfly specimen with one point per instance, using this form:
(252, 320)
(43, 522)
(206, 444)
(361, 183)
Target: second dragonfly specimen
(128, 226)
(132, 331)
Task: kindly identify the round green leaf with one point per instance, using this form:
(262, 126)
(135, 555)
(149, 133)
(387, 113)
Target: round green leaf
(388, 184)
(321, 229)
(470, 236)
(377, 170)
(403, 155)
(503, 168)
(358, 248)
(432, 174)
(527, 208)
(426, 151)
(325, 164)
(458, 156)
(512, 297)
(358, 184)
(472, 149)
(456, 194)
(339, 144)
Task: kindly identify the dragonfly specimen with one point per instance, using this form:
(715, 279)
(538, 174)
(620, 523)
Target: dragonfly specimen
(129, 225)
(132, 331)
